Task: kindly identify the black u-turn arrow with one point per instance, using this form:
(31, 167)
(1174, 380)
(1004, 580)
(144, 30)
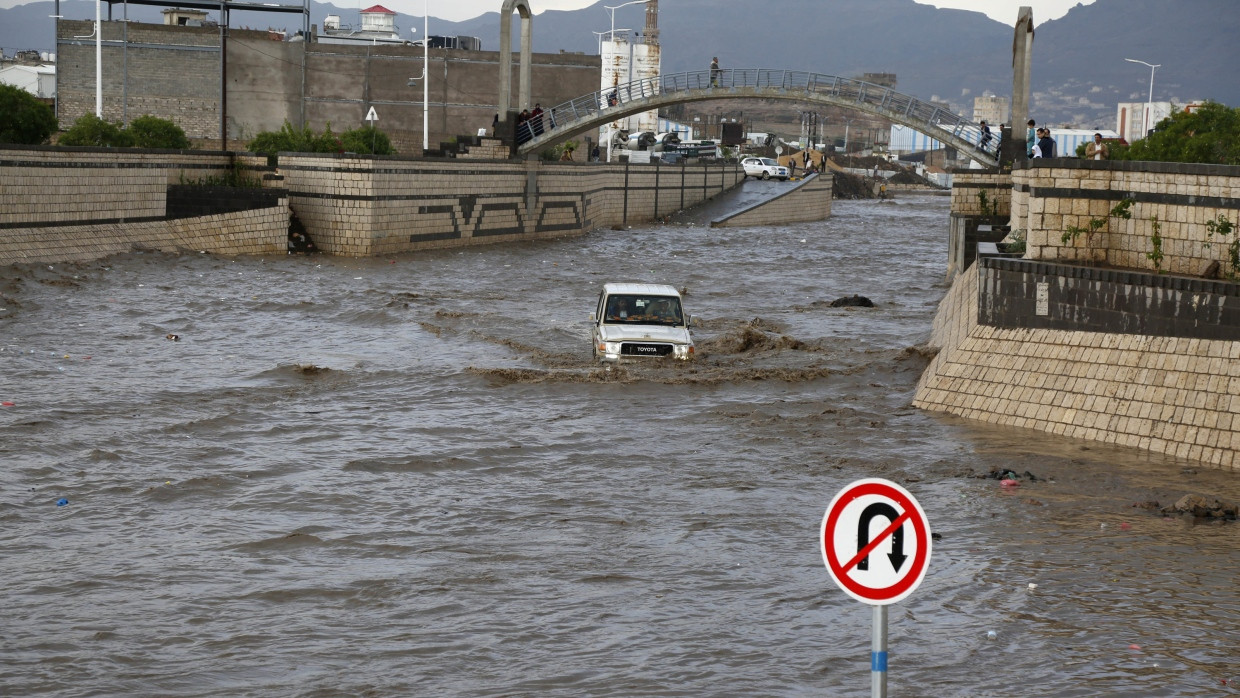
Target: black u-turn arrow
(896, 555)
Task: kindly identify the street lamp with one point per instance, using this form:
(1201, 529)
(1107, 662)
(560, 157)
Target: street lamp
(425, 78)
(1149, 103)
(611, 34)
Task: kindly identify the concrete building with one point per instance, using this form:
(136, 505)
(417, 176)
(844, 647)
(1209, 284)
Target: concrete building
(1134, 119)
(991, 109)
(38, 80)
(173, 72)
(378, 26)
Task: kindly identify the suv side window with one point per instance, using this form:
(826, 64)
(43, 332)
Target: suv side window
(598, 311)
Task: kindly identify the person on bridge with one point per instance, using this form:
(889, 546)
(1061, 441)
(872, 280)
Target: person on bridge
(536, 119)
(985, 135)
(1097, 150)
(714, 72)
(1047, 144)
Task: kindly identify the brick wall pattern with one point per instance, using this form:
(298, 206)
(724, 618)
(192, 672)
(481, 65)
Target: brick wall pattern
(365, 206)
(1171, 395)
(1048, 197)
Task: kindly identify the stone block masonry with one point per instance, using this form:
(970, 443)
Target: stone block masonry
(1049, 196)
(76, 204)
(1174, 395)
(364, 206)
(254, 232)
(807, 200)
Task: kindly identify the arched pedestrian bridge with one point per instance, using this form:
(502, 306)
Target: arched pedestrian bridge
(589, 112)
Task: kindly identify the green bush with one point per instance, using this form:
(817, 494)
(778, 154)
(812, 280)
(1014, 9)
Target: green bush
(1209, 134)
(91, 130)
(153, 132)
(290, 139)
(367, 140)
(24, 120)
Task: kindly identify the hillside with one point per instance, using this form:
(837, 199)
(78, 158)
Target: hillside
(1079, 72)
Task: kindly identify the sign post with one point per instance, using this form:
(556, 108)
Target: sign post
(866, 516)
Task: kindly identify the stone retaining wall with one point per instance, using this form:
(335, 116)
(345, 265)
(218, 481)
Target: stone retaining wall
(1172, 395)
(364, 206)
(808, 200)
(979, 198)
(1051, 195)
(260, 231)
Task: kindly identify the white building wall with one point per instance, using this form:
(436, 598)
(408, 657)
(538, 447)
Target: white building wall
(1132, 121)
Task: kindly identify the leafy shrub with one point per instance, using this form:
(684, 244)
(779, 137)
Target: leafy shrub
(91, 130)
(153, 132)
(1209, 134)
(24, 120)
(290, 139)
(367, 140)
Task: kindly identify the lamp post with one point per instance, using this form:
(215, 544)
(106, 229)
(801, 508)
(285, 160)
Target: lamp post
(1149, 103)
(426, 82)
(425, 78)
(612, 10)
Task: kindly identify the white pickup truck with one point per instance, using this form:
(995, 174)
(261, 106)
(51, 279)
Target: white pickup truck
(632, 321)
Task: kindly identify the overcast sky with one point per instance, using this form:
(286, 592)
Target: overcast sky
(457, 10)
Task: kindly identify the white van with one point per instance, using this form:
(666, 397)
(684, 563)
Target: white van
(632, 321)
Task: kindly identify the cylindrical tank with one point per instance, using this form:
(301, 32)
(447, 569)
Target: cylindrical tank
(666, 141)
(642, 140)
(646, 74)
(615, 57)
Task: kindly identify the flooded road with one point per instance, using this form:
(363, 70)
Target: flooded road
(404, 476)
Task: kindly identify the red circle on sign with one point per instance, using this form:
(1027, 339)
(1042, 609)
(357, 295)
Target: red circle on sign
(910, 508)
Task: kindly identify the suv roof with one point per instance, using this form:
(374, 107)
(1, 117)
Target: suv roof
(642, 289)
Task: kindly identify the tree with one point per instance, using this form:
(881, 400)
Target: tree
(91, 130)
(24, 120)
(153, 132)
(1209, 134)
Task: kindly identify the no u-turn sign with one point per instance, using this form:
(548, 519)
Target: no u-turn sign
(875, 541)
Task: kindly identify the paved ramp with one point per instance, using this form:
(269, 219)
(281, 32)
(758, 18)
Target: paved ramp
(748, 193)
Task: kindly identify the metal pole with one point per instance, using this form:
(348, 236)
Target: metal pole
(878, 654)
(98, 62)
(426, 80)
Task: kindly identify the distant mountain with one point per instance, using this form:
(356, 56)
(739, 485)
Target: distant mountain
(1079, 70)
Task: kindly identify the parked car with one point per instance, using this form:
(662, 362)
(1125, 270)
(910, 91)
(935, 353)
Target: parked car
(764, 168)
(634, 321)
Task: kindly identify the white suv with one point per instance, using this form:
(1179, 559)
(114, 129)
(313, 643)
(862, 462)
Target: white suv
(764, 168)
(640, 320)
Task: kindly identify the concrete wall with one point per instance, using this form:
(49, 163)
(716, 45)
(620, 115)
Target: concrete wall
(1051, 195)
(71, 204)
(979, 198)
(173, 72)
(170, 74)
(363, 206)
(1172, 395)
(260, 231)
(807, 200)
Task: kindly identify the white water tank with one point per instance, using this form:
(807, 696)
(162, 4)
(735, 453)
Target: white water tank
(331, 22)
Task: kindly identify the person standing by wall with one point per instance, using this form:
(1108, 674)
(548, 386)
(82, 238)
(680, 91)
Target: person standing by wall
(714, 72)
(1031, 138)
(1097, 150)
(1047, 144)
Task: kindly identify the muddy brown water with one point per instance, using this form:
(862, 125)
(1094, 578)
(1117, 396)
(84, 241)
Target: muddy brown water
(403, 476)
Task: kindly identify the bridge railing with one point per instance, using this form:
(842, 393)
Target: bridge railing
(934, 118)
